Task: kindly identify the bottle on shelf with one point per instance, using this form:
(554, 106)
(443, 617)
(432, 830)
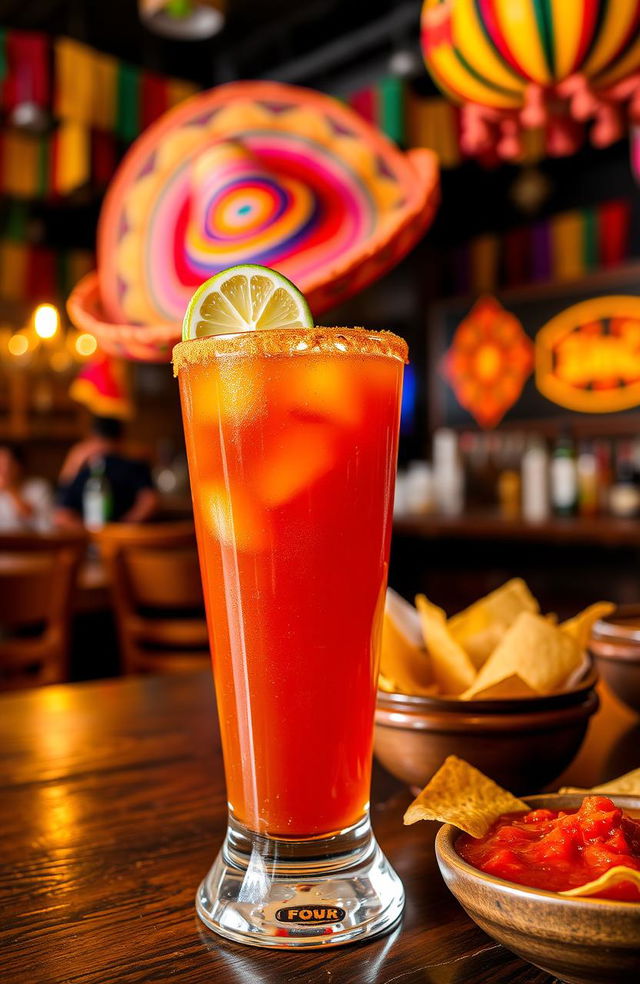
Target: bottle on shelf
(96, 497)
(535, 480)
(587, 471)
(418, 488)
(509, 485)
(448, 475)
(602, 449)
(624, 494)
(564, 478)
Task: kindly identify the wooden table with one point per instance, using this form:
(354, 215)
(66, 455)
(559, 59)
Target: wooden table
(112, 808)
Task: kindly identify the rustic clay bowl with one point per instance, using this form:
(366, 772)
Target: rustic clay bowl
(523, 744)
(615, 646)
(580, 941)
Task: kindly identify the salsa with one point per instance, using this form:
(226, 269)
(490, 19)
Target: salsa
(560, 850)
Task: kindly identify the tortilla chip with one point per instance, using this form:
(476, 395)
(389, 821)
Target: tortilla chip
(510, 688)
(541, 654)
(579, 627)
(479, 628)
(453, 671)
(463, 796)
(626, 785)
(403, 657)
(612, 877)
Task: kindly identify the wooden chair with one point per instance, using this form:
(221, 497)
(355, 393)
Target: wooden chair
(157, 593)
(37, 578)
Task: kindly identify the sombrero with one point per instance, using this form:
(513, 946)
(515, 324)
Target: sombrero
(102, 386)
(248, 172)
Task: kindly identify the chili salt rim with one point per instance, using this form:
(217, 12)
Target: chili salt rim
(289, 341)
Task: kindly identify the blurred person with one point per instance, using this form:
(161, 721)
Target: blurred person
(26, 504)
(133, 496)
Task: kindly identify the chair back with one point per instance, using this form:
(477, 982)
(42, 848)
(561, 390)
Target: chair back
(37, 578)
(155, 583)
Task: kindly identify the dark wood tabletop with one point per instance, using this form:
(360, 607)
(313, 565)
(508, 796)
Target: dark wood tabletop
(112, 808)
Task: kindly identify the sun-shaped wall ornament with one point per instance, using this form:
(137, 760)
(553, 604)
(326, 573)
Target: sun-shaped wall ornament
(489, 361)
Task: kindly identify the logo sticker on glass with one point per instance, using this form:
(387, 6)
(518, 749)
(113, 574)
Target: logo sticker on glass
(313, 915)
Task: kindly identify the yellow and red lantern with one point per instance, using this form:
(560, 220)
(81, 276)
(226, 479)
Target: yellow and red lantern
(526, 64)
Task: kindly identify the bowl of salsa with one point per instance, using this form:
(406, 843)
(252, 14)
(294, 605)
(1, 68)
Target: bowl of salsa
(510, 882)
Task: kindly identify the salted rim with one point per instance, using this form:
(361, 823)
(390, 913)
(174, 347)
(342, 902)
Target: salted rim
(289, 341)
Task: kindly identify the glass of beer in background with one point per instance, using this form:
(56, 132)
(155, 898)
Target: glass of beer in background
(291, 440)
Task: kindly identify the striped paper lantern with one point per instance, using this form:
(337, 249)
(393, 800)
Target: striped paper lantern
(518, 64)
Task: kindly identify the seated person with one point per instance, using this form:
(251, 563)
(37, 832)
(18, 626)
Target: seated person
(133, 497)
(25, 504)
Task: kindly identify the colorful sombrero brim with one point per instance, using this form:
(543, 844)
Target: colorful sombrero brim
(249, 172)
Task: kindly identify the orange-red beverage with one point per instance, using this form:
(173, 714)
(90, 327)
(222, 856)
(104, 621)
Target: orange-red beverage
(292, 443)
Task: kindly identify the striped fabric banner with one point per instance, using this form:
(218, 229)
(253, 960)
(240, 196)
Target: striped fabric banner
(30, 274)
(564, 247)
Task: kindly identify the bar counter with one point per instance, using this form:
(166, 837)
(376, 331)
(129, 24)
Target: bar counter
(605, 531)
(112, 809)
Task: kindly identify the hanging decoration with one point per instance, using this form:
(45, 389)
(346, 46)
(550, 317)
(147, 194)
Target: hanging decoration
(32, 273)
(489, 361)
(103, 387)
(183, 20)
(25, 88)
(634, 143)
(249, 172)
(560, 248)
(70, 112)
(513, 67)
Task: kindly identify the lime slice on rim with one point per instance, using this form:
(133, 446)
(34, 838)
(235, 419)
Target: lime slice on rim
(245, 298)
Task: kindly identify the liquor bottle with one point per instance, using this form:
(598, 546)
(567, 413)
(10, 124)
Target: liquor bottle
(587, 469)
(448, 476)
(535, 480)
(564, 478)
(602, 448)
(624, 495)
(418, 488)
(96, 498)
(509, 485)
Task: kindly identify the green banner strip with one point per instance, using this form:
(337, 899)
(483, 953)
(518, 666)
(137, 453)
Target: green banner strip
(391, 107)
(128, 102)
(589, 239)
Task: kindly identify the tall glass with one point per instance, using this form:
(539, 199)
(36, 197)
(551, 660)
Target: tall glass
(292, 442)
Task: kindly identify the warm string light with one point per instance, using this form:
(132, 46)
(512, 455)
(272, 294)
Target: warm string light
(43, 338)
(46, 320)
(86, 344)
(18, 344)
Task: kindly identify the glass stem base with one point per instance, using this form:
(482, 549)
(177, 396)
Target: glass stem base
(266, 891)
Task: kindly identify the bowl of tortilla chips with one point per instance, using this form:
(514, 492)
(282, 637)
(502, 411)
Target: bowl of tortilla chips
(588, 934)
(500, 684)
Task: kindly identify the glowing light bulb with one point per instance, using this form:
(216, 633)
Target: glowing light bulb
(86, 344)
(18, 344)
(45, 320)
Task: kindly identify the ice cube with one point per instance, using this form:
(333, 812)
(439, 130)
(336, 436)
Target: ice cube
(233, 516)
(326, 391)
(300, 455)
(233, 391)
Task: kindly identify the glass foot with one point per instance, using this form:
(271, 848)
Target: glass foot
(280, 893)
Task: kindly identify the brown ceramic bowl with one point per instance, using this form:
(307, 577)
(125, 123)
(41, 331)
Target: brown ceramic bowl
(523, 744)
(615, 646)
(581, 941)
